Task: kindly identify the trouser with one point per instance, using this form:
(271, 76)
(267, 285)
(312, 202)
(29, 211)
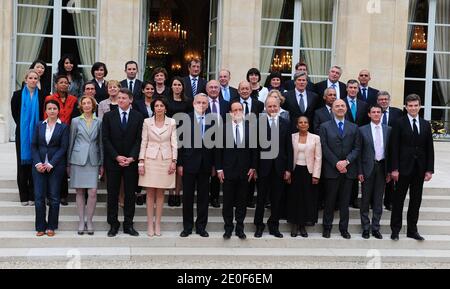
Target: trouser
(234, 194)
(372, 192)
(190, 182)
(25, 182)
(272, 184)
(339, 188)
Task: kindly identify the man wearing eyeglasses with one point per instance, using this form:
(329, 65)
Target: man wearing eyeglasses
(366, 93)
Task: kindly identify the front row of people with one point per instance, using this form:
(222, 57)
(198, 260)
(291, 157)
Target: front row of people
(146, 153)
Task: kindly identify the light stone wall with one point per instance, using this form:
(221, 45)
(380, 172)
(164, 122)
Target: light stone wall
(375, 40)
(6, 71)
(119, 36)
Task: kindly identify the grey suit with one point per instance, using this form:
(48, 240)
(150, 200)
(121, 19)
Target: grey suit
(85, 153)
(374, 173)
(336, 148)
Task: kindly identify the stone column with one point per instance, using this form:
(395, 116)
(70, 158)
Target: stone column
(6, 34)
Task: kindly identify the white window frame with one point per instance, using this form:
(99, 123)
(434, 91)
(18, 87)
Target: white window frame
(296, 47)
(218, 46)
(55, 36)
(430, 52)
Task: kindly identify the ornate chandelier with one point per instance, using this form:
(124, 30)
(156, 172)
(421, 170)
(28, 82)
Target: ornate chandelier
(164, 36)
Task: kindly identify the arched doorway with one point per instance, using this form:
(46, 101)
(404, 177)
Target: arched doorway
(177, 31)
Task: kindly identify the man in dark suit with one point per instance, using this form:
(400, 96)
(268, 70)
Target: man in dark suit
(366, 93)
(131, 82)
(194, 84)
(236, 166)
(299, 67)
(273, 171)
(389, 118)
(300, 102)
(373, 170)
(333, 81)
(195, 163)
(325, 113)
(219, 107)
(255, 107)
(412, 164)
(356, 113)
(122, 132)
(341, 146)
(227, 92)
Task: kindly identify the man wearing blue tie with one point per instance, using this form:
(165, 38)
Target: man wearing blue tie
(366, 93)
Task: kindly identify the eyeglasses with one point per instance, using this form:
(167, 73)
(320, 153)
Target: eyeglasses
(364, 75)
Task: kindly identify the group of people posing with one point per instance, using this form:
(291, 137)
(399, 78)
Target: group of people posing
(195, 136)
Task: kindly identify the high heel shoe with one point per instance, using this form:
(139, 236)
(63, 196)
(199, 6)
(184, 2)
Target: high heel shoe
(177, 200)
(90, 231)
(303, 232)
(294, 230)
(170, 201)
(81, 231)
(157, 232)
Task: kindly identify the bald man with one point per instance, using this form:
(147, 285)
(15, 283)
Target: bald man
(366, 93)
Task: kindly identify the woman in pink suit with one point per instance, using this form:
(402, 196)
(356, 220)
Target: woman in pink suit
(157, 161)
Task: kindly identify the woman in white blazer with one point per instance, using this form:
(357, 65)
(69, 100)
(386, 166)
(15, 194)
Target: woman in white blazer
(302, 197)
(85, 161)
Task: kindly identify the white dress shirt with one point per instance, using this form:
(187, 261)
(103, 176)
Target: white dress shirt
(374, 128)
(305, 97)
(417, 122)
(249, 103)
(240, 127)
(48, 136)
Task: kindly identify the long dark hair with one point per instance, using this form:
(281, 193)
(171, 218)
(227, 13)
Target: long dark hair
(183, 96)
(76, 73)
(45, 78)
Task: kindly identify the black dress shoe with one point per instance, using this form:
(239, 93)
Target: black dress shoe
(303, 232)
(203, 234)
(259, 233)
(276, 233)
(356, 205)
(394, 237)
(326, 233)
(140, 200)
(241, 235)
(131, 231)
(388, 207)
(184, 234)
(365, 234)
(64, 202)
(227, 235)
(294, 230)
(177, 201)
(415, 236)
(346, 235)
(170, 201)
(113, 232)
(215, 203)
(377, 235)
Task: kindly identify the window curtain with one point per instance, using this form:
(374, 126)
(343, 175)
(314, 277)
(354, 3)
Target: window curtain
(34, 21)
(85, 24)
(411, 18)
(442, 43)
(317, 36)
(270, 31)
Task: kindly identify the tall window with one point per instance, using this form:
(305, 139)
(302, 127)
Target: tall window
(427, 60)
(297, 31)
(214, 40)
(46, 29)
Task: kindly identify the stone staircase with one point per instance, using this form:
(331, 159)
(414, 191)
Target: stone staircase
(18, 243)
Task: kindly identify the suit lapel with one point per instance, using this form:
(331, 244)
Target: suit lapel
(83, 124)
(368, 132)
(55, 133)
(385, 136)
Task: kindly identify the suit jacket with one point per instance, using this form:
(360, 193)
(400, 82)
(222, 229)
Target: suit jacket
(121, 142)
(194, 159)
(336, 148)
(101, 93)
(372, 95)
(321, 115)
(85, 143)
(224, 109)
(155, 140)
(313, 153)
(321, 86)
(236, 161)
(55, 150)
(234, 94)
(291, 105)
(367, 156)
(394, 115)
(283, 161)
(139, 105)
(406, 150)
(257, 106)
(137, 87)
(201, 86)
(362, 109)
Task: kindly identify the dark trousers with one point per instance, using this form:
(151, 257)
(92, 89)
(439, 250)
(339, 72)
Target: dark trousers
(251, 192)
(355, 192)
(372, 192)
(190, 182)
(388, 192)
(47, 185)
(341, 189)
(415, 184)
(234, 194)
(25, 182)
(272, 184)
(64, 186)
(113, 181)
(214, 188)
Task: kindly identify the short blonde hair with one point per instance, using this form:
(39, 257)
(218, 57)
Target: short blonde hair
(29, 71)
(276, 94)
(114, 82)
(94, 103)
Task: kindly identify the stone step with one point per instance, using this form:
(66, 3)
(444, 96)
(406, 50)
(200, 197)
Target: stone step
(14, 208)
(215, 224)
(22, 239)
(373, 258)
